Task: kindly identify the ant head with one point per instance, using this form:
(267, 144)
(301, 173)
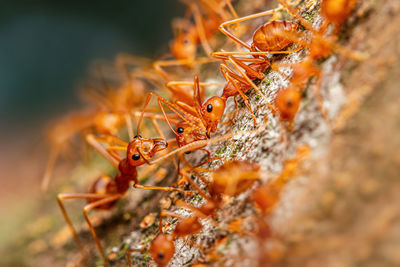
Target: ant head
(212, 111)
(162, 249)
(287, 102)
(234, 177)
(140, 150)
(186, 134)
(107, 123)
(184, 46)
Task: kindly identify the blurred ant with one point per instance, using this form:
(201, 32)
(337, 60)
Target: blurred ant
(319, 47)
(111, 109)
(184, 46)
(230, 179)
(104, 192)
(161, 249)
(267, 195)
(188, 36)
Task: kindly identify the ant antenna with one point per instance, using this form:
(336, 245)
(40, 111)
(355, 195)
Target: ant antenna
(141, 115)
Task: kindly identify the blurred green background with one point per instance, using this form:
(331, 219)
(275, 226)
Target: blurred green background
(46, 47)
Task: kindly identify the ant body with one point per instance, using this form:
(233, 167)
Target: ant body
(320, 46)
(207, 14)
(264, 42)
(231, 179)
(111, 110)
(104, 191)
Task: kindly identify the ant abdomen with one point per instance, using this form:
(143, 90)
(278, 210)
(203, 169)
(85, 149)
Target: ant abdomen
(266, 39)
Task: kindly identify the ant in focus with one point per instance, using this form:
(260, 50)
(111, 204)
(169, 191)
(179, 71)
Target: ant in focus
(104, 191)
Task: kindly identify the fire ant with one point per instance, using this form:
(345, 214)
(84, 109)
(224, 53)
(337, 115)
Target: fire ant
(231, 179)
(104, 192)
(266, 196)
(188, 36)
(161, 249)
(111, 110)
(60, 133)
(203, 118)
(265, 42)
(320, 47)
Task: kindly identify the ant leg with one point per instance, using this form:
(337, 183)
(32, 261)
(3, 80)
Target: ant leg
(62, 196)
(55, 150)
(171, 214)
(200, 28)
(252, 84)
(316, 88)
(225, 55)
(123, 59)
(202, 143)
(110, 138)
(187, 83)
(179, 111)
(162, 188)
(91, 139)
(159, 64)
(91, 206)
(129, 126)
(238, 20)
(171, 117)
(238, 89)
(189, 100)
(128, 252)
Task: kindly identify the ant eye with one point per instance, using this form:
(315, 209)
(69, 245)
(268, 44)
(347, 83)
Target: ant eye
(160, 255)
(180, 130)
(209, 108)
(135, 156)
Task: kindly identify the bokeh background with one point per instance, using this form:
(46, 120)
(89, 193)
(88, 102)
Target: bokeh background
(46, 48)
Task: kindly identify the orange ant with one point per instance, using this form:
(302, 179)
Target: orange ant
(266, 196)
(203, 117)
(265, 42)
(184, 46)
(112, 108)
(161, 249)
(231, 179)
(319, 47)
(104, 192)
(66, 128)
